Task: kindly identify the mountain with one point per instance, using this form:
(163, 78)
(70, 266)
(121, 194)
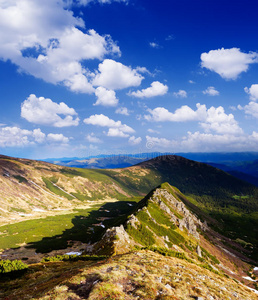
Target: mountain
(33, 188)
(248, 167)
(104, 161)
(162, 249)
(243, 165)
(124, 160)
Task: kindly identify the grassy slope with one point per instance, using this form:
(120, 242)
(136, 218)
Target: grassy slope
(140, 275)
(229, 200)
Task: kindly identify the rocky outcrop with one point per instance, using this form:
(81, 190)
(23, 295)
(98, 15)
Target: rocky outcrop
(199, 251)
(115, 241)
(186, 220)
(133, 221)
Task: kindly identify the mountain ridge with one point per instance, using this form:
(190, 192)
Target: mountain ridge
(161, 252)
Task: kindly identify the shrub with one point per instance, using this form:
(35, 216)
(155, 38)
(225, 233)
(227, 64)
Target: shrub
(7, 266)
(73, 258)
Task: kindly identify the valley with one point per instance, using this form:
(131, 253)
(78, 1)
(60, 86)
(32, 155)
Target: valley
(171, 209)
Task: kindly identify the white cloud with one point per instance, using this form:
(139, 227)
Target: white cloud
(154, 142)
(116, 128)
(154, 45)
(212, 119)
(252, 91)
(144, 70)
(156, 89)
(218, 121)
(211, 91)
(191, 81)
(134, 141)
(17, 137)
(250, 109)
(115, 76)
(228, 63)
(206, 142)
(57, 138)
(105, 97)
(117, 132)
(153, 131)
(122, 111)
(182, 114)
(233, 108)
(180, 94)
(44, 111)
(92, 138)
(86, 2)
(38, 135)
(43, 39)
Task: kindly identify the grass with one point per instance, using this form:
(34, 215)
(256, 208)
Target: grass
(144, 274)
(141, 235)
(20, 178)
(34, 230)
(55, 232)
(54, 189)
(154, 222)
(73, 258)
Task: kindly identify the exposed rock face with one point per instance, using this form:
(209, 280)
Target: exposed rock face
(187, 221)
(133, 221)
(115, 241)
(199, 251)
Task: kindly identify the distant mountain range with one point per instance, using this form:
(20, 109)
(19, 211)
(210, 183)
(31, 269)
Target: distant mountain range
(243, 165)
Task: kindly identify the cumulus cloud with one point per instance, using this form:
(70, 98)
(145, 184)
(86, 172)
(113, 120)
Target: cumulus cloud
(117, 132)
(92, 138)
(252, 91)
(44, 111)
(116, 128)
(105, 97)
(250, 109)
(17, 137)
(228, 63)
(115, 76)
(134, 141)
(45, 40)
(180, 94)
(211, 91)
(182, 114)
(156, 89)
(38, 135)
(152, 142)
(122, 111)
(57, 138)
(218, 121)
(207, 142)
(212, 119)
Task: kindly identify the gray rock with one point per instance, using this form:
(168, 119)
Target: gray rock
(199, 251)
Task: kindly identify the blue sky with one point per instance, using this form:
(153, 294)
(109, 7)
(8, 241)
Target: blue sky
(88, 77)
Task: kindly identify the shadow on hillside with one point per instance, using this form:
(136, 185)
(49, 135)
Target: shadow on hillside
(87, 229)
